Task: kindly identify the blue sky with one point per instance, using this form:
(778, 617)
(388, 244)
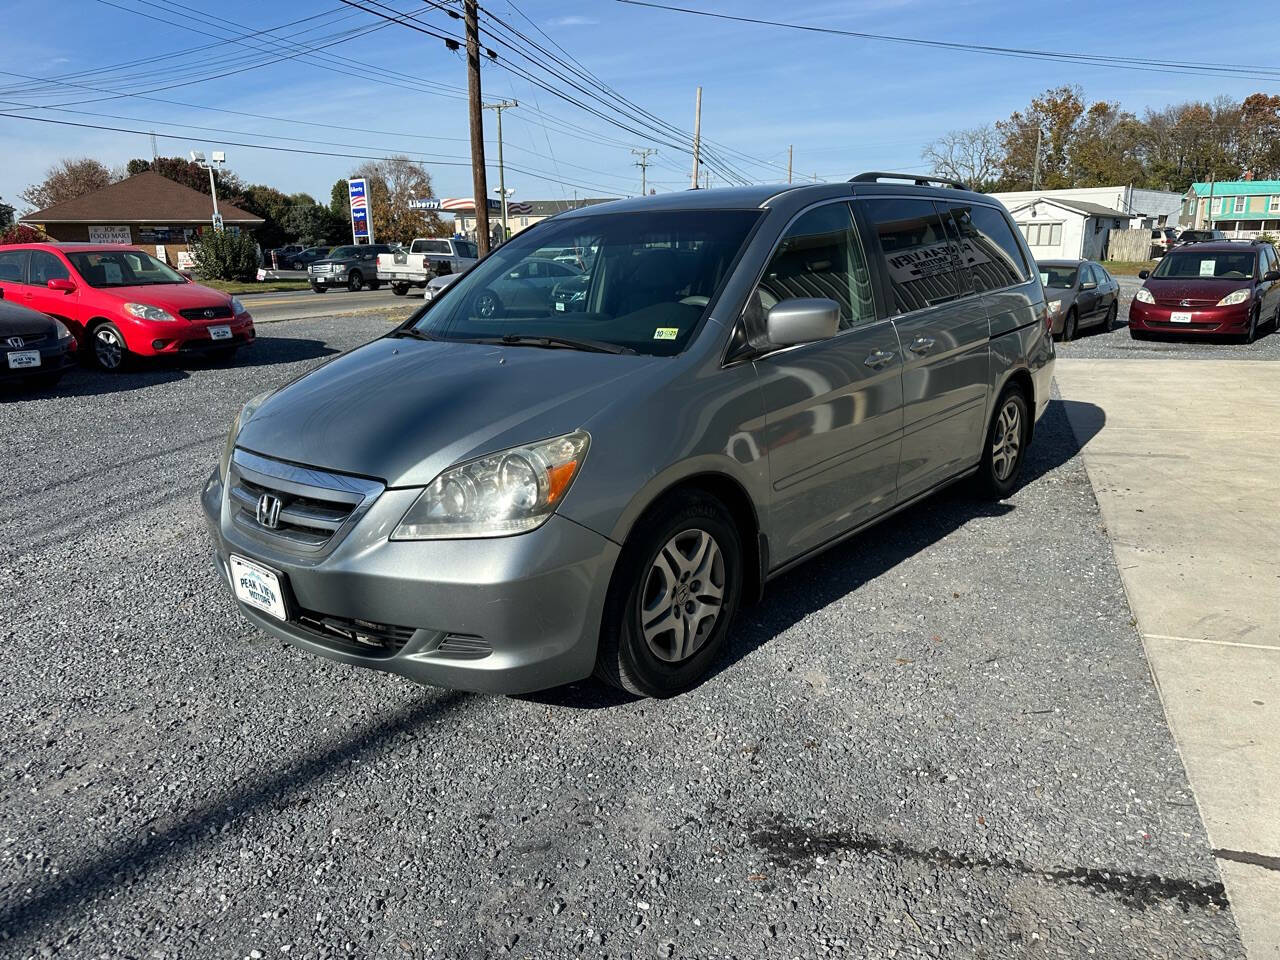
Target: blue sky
(847, 105)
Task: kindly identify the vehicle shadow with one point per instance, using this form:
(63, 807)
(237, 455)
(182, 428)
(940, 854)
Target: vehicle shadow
(148, 372)
(846, 567)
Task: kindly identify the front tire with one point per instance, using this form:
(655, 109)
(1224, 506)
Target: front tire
(1006, 445)
(1252, 333)
(317, 288)
(355, 281)
(110, 352)
(672, 599)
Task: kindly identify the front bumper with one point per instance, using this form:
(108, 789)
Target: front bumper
(1154, 318)
(54, 358)
(501, 615)
(150, 339)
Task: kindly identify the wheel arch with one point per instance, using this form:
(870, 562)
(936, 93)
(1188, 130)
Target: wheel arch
(1020, 377)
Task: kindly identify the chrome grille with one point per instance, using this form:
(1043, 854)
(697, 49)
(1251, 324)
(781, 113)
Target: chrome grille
(315, 507)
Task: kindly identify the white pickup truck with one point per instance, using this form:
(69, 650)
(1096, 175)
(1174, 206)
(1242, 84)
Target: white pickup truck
(427, 257)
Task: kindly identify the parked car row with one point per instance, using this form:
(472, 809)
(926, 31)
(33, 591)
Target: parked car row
(115, 302)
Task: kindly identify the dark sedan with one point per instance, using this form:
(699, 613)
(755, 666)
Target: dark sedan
(1080, 294)
(33, 347)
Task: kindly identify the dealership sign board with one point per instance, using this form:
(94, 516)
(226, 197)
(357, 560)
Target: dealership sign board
(357, 189)
(116, 234)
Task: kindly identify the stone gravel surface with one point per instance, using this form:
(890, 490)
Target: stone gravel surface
(1094, 344)
(938, 740)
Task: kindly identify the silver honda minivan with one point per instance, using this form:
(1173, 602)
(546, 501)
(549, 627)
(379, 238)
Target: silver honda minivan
(549, 473)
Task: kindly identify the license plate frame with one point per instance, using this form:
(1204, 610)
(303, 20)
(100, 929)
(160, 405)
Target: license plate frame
(221, 331)
(1180, 316)
(258, 587)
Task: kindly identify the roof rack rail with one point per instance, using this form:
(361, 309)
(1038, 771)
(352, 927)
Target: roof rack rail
(875, 176)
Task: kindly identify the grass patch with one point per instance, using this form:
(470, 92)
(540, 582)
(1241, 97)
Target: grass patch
(254, 286)
(1127, 268)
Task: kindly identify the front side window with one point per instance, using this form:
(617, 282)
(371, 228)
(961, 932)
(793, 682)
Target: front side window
(646, 290)
(122, 268)
(820, 256)
(45, 267)
(921, 261)
(1219, 265)
(989, 248)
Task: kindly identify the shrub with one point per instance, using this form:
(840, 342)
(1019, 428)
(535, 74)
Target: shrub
(224, 255)
(1268, 238)
(19, 233)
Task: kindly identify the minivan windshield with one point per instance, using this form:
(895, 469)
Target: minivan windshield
(1206, 265)
(645, 290)
(1060, 278)
(122, 268)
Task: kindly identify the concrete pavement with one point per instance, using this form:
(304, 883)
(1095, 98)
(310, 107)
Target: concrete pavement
(1186, 469)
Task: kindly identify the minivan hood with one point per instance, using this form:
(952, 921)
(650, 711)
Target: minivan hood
(401, 410)
(1184, 288)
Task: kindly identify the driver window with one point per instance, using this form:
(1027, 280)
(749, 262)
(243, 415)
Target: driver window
(819, 256)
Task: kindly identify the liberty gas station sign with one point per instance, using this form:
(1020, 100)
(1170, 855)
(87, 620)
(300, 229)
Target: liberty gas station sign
(357, 189)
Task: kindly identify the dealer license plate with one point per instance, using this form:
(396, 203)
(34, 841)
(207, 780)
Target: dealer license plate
(220, 333)
(258, 587)
(1179, 318)
(24, 359)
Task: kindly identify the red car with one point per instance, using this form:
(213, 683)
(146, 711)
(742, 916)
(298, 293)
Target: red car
(121, 302)
(1219, 288)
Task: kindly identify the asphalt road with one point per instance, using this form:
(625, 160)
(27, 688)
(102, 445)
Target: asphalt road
(941, 739)
(301, 304)
(1094, 344)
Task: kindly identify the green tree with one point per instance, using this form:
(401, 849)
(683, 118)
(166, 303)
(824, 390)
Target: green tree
(1104, 149)
(392, 184)
(66, 180)
(1260, 135)
(230, 187)
(6, 215)
(339, 200)
(1050, 120)
(314, 223)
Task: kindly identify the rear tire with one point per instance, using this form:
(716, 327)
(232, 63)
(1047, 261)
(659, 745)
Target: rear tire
(1005, 447)
(399, 289)
(672, 598)
(1069, 324)
(1110, 323)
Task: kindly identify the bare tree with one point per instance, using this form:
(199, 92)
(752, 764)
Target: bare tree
(971, 156)
(393, 184)
(66, 180)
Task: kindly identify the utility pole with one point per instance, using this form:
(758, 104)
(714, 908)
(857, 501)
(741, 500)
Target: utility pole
(643, 163)
(1035, 173)
(479, 182)
(697, 136)
(1209, 208)
(502, 174)
(788, 163)
(155, 154)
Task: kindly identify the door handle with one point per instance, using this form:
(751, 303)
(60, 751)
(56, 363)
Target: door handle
(922, 344)
(878, 359)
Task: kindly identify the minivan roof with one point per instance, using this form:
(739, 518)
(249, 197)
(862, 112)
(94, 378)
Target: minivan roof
(764, 195)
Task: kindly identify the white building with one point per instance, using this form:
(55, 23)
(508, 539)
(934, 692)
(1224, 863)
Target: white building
(1143, 208)
(1058, 229)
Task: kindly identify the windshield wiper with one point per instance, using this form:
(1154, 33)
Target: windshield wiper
(411, 332)
(556, 343)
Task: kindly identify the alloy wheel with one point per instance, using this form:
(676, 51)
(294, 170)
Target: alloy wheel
(683, 596)
(1008, 440)
(107, 348)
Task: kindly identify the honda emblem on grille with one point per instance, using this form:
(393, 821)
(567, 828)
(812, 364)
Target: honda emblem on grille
(269, 511)
(16, 342)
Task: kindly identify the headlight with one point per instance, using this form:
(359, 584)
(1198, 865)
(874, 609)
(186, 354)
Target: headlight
(1144, 296)
(146, 312)
(1236, 296)
(1055, 307)
(244, 416)
(510, 492)
(237, 307)
(60, 331)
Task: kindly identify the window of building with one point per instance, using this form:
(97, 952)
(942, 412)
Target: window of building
(922, 262)
(524, 221)
(821, 256)
(1273, 204)
(988, 248)
(1043, 234)
(1239, 204)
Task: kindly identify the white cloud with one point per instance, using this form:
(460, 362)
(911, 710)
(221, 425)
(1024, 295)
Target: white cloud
(572, 21)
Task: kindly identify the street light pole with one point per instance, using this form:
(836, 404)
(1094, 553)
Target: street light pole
(216, 158)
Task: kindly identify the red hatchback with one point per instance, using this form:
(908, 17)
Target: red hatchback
(1209, 288)
(121, 301)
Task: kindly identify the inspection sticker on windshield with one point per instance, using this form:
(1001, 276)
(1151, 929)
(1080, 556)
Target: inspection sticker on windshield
(666, 333)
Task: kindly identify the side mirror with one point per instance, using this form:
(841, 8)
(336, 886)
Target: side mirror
(802, 320)
(1270, 276)
(63, 284)
(1088, 285)
(1143, 274)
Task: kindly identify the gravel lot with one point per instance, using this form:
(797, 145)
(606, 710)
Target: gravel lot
(941, 739)
(1093, 344)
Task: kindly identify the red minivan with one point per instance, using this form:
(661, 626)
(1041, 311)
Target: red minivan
(1222, 287)
(120, 301)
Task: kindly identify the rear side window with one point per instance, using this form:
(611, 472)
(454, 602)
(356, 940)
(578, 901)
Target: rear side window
(821, 256)
(13, 265)
(989, 248)
(920, 260)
